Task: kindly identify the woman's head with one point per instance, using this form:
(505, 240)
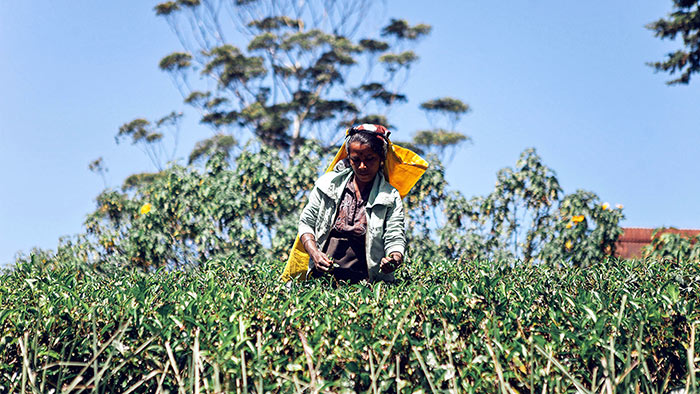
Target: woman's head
(366, 151)
(372, 135)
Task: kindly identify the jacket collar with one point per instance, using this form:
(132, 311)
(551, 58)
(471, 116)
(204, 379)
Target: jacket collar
(333, 183)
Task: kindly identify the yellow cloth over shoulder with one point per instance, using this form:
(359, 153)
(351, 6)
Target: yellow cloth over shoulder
(402, 168)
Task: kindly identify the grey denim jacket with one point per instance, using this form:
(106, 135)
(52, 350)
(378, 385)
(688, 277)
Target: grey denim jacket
(385, 218)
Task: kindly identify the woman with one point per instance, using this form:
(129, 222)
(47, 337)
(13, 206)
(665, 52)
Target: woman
(353, 225)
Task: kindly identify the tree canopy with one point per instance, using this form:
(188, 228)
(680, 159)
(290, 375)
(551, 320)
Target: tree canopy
(684, 20)
(284, 71)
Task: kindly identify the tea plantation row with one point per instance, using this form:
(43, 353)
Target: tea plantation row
(230, 326)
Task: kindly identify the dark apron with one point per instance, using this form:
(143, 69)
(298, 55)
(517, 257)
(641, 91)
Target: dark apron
(348, 254)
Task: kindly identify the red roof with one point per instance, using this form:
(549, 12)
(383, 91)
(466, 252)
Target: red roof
(630, 243)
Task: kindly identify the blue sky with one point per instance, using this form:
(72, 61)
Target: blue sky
(568, 78)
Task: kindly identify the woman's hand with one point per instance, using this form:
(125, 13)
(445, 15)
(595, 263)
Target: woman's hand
(321, 261)
(391, 263)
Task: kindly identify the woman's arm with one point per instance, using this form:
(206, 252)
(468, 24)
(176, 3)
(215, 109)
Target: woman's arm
(394, 229)
(307, 231)
(394, 237)
(307, 220)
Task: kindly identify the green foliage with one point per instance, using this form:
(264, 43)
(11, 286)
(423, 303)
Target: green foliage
(376, 90)
(669, 245)
(137, 129)
(426, 196)
(135, 181)
(222, 144)
(518, 213)
(586, 241)
(526, 217)
(277, 22)
(230, 66)
(180, 216)
(396, 61)
(97, 166)
(446, 104)
(374, 45)
(442, 135)
(401, 29)
(176, 61)
(439, 138)
(469, 327)
(684, 20)
(167, 8)
(149, 136)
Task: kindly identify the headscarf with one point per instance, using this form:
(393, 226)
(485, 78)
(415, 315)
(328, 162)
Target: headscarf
(402, 167)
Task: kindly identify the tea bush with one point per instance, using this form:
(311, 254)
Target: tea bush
(230, 325)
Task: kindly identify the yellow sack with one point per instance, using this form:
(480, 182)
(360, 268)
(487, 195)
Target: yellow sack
(403, 168)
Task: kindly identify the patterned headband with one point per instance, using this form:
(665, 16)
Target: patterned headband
(373, 129)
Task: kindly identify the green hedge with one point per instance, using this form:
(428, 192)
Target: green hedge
(466, 327)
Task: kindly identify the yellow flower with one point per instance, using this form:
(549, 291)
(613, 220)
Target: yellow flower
(568, 245)
(569, 225)
(619, 206)
(606, 206)
(577, 218)
(145, 208)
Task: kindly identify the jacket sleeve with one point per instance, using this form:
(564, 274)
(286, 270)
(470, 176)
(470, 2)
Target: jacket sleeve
(307, 220)
(395, 232)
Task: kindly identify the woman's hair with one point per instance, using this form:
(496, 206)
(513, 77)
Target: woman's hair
(376, 143)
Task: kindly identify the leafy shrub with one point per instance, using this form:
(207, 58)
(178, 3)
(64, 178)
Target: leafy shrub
(527, 217)
(469, 327)
(185, 215)
(667, 244)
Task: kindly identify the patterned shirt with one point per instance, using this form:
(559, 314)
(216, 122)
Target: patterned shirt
(352, 218)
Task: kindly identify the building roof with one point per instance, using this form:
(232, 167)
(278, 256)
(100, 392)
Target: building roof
(633, 239)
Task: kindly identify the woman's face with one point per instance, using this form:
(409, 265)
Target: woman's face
(364, 161)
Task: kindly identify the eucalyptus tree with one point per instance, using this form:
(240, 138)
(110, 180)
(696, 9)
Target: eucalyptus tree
(285, 71)
(443, 115)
